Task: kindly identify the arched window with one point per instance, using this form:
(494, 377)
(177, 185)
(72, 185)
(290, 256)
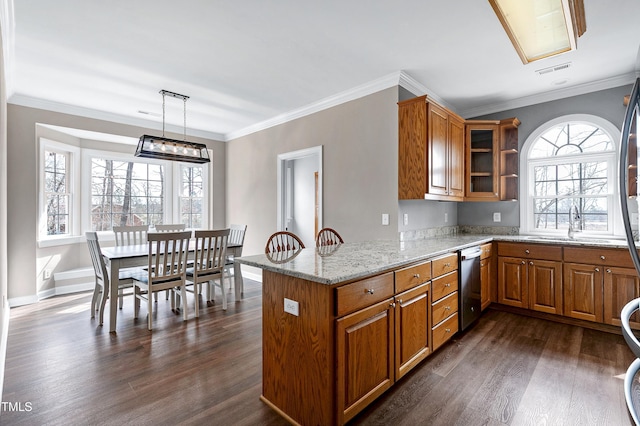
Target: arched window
(570, 163)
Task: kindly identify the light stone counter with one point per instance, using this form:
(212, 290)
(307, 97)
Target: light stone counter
(350, 261)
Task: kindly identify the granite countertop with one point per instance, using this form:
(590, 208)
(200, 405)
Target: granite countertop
(350, 261)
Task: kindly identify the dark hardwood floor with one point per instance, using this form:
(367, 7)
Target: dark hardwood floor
(508, 369)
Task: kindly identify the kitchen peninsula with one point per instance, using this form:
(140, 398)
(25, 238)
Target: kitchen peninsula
(331, 318)
(342, 324)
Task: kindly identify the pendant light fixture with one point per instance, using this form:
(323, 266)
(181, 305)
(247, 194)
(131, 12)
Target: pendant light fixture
(172, 149)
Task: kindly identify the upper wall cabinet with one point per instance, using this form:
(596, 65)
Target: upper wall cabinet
(491, 160)
(430, 151)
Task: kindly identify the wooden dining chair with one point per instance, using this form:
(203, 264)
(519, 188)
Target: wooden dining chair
(208, 265)
(283, 241)
(131, 235)
(101, 289)
(171, 227)
(328, 237)
(167, 269)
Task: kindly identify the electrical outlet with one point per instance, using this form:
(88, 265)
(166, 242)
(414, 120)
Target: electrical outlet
(291, 307)
(406, 219)
(47, 274)
(497, 217)
(385, 218)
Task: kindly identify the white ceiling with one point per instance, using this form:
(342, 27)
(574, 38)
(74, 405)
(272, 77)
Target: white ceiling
(250, 64)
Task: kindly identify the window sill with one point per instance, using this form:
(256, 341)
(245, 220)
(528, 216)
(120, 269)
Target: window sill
(60, 241)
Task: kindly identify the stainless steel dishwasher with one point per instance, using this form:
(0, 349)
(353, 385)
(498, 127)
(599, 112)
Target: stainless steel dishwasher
(469, 286)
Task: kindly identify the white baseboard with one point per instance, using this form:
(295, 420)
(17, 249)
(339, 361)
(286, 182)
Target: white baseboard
(252, 276)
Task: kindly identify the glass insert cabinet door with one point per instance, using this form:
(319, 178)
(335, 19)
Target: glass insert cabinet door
(482, 158)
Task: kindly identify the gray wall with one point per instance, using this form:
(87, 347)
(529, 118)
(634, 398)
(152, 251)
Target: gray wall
(4, 304)
(606, 104)
(360, 140)
(25, 259)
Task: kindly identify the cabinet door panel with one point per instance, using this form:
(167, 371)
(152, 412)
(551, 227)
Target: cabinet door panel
(437, 151)
(621, 285)
(512, 282)
(545, 286)
(412, 150)
(364, 357)
(456, 157)
(583, 292)
(485, 283)
(412, 328)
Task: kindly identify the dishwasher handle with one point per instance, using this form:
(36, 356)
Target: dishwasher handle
(470, 253)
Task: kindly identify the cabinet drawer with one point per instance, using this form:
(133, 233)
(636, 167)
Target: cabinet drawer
(598, 256)
(360, 294)
(530, 251)
(444, 285)
(444, 265)
(444, 307)
(443, 331)
(487, 250)
(412, 276)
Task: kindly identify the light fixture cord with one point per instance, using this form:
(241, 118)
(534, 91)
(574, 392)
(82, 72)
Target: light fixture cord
(162, 114)
(185, 118)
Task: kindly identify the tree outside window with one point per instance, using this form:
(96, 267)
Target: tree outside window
(191, 196)
(56, 188)
(126, 193)
(571, 165)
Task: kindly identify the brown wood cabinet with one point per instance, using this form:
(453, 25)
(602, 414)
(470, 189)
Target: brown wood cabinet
(482, 156)
(491, 150)
(430, 151)
(444, 295)
(603, 281)
(487, 276)
(365, 350)
(412, 328)
(533, 280)
(583, 288)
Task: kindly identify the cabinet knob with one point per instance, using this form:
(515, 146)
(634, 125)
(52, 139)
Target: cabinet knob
(370, 291)
(523, 262)
(597, 269)
(531, 263)
(526, 251)
(602, 257)
(393, 305)
(447, 285)
(608, 271)
(400, 301)
(448, 330)
(416, 275)
(447, 265)
(447, 308)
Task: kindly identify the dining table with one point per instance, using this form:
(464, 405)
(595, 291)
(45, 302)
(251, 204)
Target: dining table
(128, 256)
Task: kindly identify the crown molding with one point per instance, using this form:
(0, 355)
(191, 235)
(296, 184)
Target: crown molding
(554, 95)
(30, 102)
(418, 89)
(357, 92)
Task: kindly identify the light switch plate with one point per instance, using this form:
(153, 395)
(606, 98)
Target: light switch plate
(385, 218)
(406, 219)
(291, 307)
(497, 217)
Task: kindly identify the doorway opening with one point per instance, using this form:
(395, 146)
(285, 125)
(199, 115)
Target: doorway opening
(300, 193)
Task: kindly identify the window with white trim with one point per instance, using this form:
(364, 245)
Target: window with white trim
(571, 162)
(191, 195)
(85, 189)
(57, 196)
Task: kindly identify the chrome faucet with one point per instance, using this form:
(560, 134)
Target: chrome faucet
(575, 221)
